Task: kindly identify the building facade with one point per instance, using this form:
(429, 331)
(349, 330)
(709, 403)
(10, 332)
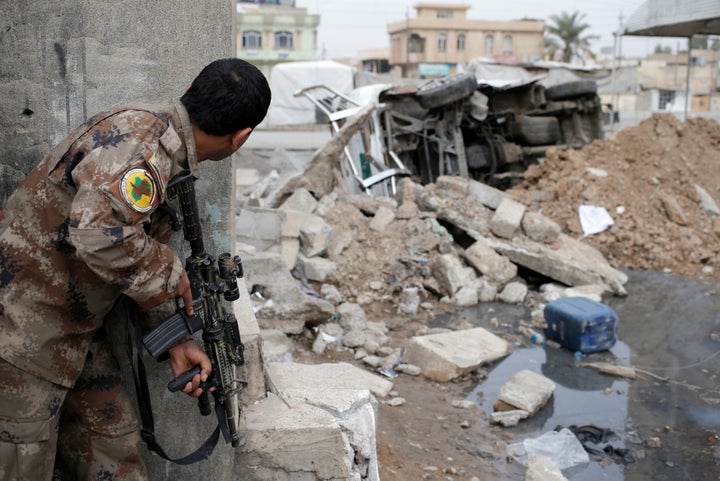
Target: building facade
(441, 36)
(274, 31)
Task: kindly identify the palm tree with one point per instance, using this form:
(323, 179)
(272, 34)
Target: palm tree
(564, 37)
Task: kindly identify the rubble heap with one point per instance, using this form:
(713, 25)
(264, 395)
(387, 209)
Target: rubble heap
(658, 181)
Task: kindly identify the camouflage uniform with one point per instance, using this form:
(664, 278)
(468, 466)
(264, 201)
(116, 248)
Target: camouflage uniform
(81, 230)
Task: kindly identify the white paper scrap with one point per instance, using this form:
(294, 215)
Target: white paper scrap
(594, 219)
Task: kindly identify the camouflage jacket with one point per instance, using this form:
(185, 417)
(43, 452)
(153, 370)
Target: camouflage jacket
(82, 229)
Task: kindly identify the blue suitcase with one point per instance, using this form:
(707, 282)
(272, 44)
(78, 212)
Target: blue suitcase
(581, 324)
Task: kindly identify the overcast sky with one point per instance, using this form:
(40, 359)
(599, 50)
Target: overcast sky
(347, 26)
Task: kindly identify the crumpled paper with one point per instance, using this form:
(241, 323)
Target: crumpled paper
(594, 219)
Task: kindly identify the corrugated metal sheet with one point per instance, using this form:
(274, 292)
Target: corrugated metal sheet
(675, 18)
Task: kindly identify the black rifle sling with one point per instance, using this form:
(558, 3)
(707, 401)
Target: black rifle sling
(147, 431)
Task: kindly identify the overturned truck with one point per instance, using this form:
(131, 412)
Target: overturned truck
(459, 126)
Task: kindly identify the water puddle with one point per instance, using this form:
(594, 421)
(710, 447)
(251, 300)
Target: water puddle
(669, 327)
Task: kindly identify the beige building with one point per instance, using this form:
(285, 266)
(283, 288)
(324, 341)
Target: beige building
(441, 36)
(275, 31)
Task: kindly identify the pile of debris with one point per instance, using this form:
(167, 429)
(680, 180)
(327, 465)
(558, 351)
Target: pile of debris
(658, 181)
(349, 268)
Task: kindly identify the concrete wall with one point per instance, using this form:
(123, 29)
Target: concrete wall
(63, 61)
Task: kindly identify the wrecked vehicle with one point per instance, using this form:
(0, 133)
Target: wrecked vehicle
(487, 131)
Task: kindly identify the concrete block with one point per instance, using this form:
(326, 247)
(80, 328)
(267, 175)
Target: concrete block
(507, 218)
(488, 196)
(513, 293)
(540, 228)
(325, 205)
(526, 390)
(382, 218)
(276, 347)
(301, 200)
(315, 235)
(289, 250)
(340, 375)
(489, 263)
(351, 317)
(259, 227)
(294, 219)
(449, 355)
(450, 272)
(316, 268)
(282, 443)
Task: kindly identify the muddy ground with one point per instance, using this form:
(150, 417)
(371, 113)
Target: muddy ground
(669, 321)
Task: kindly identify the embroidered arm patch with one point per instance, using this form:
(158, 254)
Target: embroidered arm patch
(138, 189)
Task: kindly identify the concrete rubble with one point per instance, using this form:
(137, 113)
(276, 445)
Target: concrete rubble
(523, 395)
(316, 422)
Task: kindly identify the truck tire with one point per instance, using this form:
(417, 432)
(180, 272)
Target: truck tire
(446, 90)
(568, 90)
(536, 130)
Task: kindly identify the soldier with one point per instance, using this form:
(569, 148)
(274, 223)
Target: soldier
(83, 230)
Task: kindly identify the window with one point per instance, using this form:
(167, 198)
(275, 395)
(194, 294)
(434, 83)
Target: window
(284, 40)
(488, 45)
(507, 45)
(415, 44)
(444, 14)
(461, 43)
(442, 43)
(251, 39)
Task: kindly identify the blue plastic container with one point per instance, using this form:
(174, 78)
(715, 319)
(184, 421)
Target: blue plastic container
(581, 324)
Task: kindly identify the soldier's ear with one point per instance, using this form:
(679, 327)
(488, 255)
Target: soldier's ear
(239, 137)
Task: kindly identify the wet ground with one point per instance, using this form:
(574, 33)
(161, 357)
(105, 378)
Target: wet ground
(667, 326)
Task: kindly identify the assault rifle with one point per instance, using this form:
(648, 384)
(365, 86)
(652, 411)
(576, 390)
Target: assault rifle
(211, 285)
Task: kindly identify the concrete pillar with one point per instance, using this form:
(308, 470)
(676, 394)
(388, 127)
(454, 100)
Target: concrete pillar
(65, 60)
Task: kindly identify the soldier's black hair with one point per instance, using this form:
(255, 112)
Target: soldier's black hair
(227, 95)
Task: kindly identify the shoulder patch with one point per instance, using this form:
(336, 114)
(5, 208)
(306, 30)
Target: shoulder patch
(138, 190)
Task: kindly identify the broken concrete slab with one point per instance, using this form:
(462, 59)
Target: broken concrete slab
(320, 178)
(525, 390)
(293, 441)
(488, 196)
(341, 375)
(569, 261)
(290, 308)
(449, 355)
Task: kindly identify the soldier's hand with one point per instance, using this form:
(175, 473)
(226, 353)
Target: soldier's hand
(184, 357)
(183, 290)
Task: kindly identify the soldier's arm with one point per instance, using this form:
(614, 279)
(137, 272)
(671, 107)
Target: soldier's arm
(116, 194)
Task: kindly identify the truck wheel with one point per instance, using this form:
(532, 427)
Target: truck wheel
(446, 90)
(571, 89)
(536, 130)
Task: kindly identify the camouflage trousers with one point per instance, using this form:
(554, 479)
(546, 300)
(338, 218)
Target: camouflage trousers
(92, 427)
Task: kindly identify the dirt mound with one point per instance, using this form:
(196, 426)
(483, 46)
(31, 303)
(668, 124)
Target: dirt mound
(647, 178)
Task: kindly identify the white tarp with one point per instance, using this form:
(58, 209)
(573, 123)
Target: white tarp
(288, 78)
